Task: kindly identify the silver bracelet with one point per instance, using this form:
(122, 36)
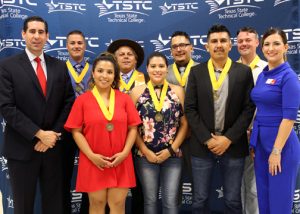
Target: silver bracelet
(276, 151)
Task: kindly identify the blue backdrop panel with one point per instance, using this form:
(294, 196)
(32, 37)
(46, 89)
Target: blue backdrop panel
(151, 23)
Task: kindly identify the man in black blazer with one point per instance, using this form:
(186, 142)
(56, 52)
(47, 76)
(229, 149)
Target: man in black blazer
(219, 111)
(36, 96)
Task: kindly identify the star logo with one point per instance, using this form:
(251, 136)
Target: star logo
(220, 192)
(65, 7)
(214, 5)
(104, 7)
(165, 8)
(160, 43)
(10, 202)
(51, 6)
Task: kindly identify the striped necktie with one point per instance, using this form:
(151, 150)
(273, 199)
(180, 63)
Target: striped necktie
(125, 78)
(79, 88)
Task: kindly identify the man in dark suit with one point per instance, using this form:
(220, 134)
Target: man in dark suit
(219, 111)
(36, 96)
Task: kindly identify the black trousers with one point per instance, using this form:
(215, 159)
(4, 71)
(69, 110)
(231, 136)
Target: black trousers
(70, 150)
(45, 168)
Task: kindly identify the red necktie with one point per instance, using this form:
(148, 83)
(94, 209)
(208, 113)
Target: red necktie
(41, 75)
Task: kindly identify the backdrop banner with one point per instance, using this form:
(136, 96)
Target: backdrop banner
(150, 23)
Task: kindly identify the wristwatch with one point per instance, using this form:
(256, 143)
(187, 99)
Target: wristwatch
(276, 151)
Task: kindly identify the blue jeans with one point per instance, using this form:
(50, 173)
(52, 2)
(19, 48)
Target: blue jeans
(232, 173)
(166, 175)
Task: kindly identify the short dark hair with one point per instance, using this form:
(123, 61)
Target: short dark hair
(157, 54)
(76, 32)
(32, 19)
(218, 28)
(109, 58)
(181, 33)
(272, 31)
(247, 29)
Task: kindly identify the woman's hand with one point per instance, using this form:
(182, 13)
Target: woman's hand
(163, 155)
(151, 156)
(117, 159)
(274, 163)
(100, 161)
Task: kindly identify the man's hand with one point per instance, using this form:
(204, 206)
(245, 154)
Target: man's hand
(40, 147)
(218, 144)
(48, 138)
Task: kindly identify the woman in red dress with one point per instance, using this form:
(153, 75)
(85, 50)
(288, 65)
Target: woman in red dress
(104, 122)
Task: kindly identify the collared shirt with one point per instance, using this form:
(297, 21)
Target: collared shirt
(128, 75)
(32, 57)
(220, 103)
(85, 81)
(181, 70)
(258, 69)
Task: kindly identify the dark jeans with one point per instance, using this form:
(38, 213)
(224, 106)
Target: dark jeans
(231, 171)
(166, 175)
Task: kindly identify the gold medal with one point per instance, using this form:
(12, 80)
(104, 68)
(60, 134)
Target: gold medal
(158, 117)
(109, 127)
(78, 88)
(216, 95)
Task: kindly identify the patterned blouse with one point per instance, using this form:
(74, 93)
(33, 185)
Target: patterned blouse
(159, 135)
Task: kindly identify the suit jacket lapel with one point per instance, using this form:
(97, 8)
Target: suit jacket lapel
(208, 85)
(49, 66)
(232, 74)
(27, 67)
(210, 99)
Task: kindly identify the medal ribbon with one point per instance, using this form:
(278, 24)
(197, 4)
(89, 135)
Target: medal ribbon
(182, 80)
(217, 84)
(158, 104)
(130, 82)
(77, 78)
(253, 63)
(140, 79)
(108, 114)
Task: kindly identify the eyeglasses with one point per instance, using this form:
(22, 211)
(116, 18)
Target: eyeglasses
(180, 46)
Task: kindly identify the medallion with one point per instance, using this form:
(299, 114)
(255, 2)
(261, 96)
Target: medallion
(158, 117)
(109, 127)
(216, 95)
(78, 88)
